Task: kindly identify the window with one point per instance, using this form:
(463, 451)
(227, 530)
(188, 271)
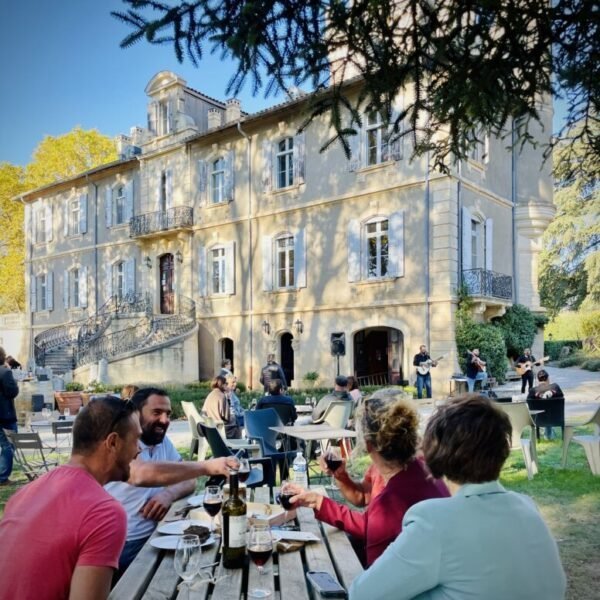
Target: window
(40, 228)
(119, 280)
(163, 191)
(377, 144)
(475, 244)
(285, 163)
(74, 216)
(377, 249)
(217, 180)
(163, 118)
(479, 151)
(284, 247)
(43, 292)
(218, 271)
(119, 205)
(74, 291)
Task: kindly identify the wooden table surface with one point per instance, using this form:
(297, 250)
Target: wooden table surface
(152, 574)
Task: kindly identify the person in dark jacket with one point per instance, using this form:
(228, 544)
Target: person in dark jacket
(275, 399)
(8, 417)
(270, 372)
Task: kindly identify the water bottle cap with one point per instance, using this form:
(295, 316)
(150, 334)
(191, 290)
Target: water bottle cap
(299, 453)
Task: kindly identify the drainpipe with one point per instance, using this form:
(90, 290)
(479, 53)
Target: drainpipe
(97, 276)
(427, 253)
(459, 221)
(29, 259)
(513, 197)
(251, 270)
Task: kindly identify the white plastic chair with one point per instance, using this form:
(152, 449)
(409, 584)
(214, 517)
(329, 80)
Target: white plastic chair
(520, 419)
(198, 443)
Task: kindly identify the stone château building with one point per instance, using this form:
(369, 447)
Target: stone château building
(224, 234)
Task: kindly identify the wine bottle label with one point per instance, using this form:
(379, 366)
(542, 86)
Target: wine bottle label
(237, 531)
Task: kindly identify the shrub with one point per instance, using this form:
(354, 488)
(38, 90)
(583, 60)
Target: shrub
(311, 376)
(518, 326)
(97, 387)
(575, 359)
(74, 386)
(552, 348)
(489, 340)
(590, 327)
(591, 364)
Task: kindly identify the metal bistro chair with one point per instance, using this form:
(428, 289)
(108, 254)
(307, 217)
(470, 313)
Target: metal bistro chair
(198, 444)
(220, 449)
(62, 428)
(258, 427)
(520, 419)
(29, 454)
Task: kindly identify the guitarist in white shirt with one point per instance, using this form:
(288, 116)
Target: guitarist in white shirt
(423, 360)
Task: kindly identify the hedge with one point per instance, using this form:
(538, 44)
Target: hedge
(518, 326)
(489, 340)
(552, 348)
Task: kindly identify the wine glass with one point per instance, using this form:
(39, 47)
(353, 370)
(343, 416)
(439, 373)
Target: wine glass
(244, 470)
(213, 501)
(285, 497)
(66, 411)
(188, 554)
(333, 460)
(260, 548)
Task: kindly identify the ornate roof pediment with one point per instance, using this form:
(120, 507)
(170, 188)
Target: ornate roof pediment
(162, 80)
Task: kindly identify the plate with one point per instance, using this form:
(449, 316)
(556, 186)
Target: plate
(169, 542)
(178, 527)
(196, 500)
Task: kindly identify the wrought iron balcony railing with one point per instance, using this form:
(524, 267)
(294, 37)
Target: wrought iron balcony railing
(179, 217)
(480, 282)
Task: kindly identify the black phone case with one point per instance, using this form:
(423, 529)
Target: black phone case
(325, 584)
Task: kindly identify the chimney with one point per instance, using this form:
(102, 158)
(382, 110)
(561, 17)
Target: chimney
(233, 110)
(123, 146)
(137, 135)
(215, 118)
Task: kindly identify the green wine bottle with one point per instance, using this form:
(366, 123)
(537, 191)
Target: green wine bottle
(234, 526)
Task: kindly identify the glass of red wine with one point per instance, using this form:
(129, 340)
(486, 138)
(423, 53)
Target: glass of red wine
(244, 470)
(284, 498)
(260, 548)
(333, 460)
(213, 501)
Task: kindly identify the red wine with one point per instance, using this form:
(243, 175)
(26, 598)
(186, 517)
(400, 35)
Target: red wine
(333, 464)
(243, 475)
(212, 508)
(260, 554)
(284, 500)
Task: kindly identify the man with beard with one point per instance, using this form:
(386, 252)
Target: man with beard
(62, 533)
(145, 506)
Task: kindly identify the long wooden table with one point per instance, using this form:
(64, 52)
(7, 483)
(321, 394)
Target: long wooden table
(152, 574)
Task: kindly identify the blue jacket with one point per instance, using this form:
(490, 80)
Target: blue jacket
(9, 390)
(484, 543)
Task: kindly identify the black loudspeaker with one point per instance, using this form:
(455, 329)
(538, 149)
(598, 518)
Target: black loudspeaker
(338, 344)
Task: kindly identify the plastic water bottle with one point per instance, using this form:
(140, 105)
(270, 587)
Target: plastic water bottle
(300, 472)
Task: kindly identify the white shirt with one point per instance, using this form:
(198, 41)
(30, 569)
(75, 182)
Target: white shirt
(134, 498)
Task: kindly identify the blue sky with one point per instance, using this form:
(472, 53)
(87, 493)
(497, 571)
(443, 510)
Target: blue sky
(63, 67)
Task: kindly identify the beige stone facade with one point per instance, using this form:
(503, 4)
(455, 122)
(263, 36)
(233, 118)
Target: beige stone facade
(280, 246)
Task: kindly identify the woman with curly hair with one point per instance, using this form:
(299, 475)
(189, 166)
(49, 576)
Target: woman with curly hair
(387, 427)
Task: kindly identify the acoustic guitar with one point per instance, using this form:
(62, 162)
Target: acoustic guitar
(426, 365)
(481, 366)
(522, 368)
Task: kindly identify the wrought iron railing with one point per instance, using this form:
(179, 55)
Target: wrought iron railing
(481, 282)
(162, 220)
(374, 379)
(55, 337)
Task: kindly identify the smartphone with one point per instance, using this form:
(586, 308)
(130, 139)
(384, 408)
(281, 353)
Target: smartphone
(325, 584)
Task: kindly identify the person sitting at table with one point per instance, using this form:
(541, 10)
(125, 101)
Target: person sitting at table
(218, 408)
(545, 390)
(484, 541)
(388, 429)
(340, 392)
(275, 399)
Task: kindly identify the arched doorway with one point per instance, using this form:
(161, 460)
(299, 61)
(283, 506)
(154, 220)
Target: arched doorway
(378, 355)
(167, 284)
(287, 356)
(227, 351)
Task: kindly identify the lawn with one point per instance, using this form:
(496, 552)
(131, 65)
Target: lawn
(568, 499)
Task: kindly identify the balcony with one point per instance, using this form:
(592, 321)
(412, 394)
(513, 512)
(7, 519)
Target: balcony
(487, 284)
(159, 222)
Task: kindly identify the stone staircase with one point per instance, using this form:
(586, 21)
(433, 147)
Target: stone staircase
(60, 360)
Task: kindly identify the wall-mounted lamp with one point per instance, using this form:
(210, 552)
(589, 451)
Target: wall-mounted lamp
(299, 326)
(148, 262)
(266, 327)
(179, 256)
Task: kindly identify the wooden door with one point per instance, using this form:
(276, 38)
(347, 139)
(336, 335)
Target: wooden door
(167, 294)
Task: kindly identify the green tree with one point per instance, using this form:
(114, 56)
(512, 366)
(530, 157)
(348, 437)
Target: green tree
(473, 66)
(54, 159)
(518, 329)
(64, 156)
(12, 296)
(570, 260)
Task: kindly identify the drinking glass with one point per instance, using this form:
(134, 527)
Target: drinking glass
(284, 498)
(260, 548)
(333, 459)
(244, 470)
(188, 555)
(213, 501)
(46, 413)
(66, 411)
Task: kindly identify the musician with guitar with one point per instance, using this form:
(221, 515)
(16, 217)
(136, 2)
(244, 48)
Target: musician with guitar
(476, 369)
(424, 363)
(525, 364)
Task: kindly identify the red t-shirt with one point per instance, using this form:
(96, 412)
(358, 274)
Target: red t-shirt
(60, 521)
